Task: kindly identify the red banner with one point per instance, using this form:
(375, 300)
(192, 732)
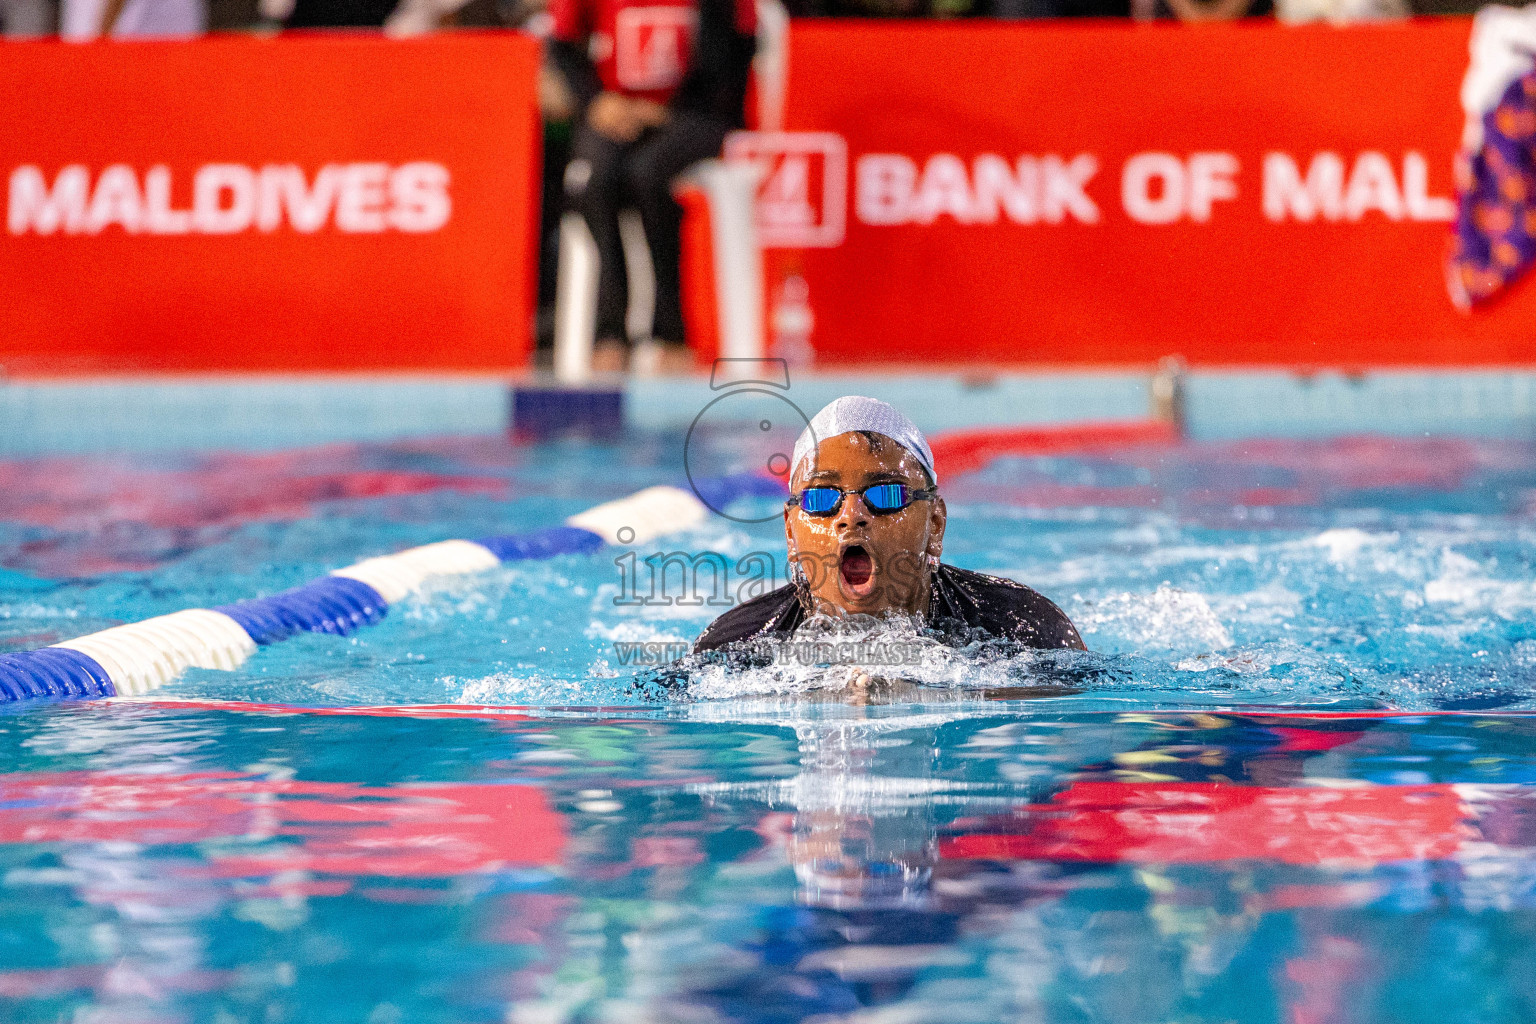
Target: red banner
(304, 203)
(1113, 193)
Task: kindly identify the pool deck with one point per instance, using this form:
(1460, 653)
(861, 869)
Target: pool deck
(105, 415)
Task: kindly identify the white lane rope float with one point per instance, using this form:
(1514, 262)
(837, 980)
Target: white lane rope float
(138, 657)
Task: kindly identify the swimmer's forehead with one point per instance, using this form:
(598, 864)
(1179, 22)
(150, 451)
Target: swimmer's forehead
(850, 460)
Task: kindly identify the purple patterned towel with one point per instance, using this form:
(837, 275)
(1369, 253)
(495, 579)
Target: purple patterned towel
(1495, 238)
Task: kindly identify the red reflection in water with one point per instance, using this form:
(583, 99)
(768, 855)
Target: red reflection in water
(508, 713)
(1325, 978)
(420, 830)
(117, 515)
(1224, 475)
(1185, 822)
(80, 494)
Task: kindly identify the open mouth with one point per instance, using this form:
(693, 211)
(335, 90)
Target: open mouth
(858, 570)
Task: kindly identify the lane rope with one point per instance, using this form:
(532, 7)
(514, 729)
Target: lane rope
(139, 657)
(142, 656)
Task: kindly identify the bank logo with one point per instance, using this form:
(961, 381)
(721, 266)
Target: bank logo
(802, 193)
(651, 45)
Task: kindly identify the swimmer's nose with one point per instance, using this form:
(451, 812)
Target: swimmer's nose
(853, 513)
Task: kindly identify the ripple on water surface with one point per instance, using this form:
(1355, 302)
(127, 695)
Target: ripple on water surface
(764, 861)
(1375, 572)
(1238, 806)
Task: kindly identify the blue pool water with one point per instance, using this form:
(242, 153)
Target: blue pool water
(1291, 780)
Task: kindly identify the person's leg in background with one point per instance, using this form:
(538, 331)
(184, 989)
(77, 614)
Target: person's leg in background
(649, 171)
(594, 188)
(28, 19)
(557, 112)
(557, 154)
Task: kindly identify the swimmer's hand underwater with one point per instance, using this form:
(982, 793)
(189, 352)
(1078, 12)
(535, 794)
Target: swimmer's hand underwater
(858, 685)
(865, 688)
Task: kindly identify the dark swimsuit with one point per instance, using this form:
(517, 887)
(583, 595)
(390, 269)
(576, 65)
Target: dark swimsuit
(963, 607)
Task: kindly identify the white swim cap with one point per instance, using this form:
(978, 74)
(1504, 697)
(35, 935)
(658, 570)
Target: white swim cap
(855, 412)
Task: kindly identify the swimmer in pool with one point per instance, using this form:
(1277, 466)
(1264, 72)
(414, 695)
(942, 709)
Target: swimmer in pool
(865, 528)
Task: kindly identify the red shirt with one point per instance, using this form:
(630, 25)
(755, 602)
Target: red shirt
(639, 47)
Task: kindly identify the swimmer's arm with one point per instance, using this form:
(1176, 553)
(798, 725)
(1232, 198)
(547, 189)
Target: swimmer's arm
(1072, 640)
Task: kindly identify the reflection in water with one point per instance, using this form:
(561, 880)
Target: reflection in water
(767, 863)
(934, 856)
(1177, 878)
(855, 841)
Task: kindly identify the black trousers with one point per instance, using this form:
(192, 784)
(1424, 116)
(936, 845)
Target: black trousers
(604, 177)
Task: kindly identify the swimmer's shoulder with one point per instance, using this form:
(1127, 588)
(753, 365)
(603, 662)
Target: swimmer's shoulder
(771, 613)
(1009, 609)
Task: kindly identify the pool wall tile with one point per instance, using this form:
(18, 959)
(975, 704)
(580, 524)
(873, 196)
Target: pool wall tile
(100, 416)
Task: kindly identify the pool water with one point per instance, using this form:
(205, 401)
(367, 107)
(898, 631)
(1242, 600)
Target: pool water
(1291, 780)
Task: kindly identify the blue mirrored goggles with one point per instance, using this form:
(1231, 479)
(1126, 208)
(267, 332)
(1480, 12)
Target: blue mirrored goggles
(880, 499)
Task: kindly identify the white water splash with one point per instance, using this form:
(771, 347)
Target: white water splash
(1470, 587)
(509, 688)
(1343, 545)
(1166, 619)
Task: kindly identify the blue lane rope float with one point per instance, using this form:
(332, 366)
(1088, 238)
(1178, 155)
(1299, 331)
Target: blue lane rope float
(140, 656)
(332, 604)
(52, 672)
